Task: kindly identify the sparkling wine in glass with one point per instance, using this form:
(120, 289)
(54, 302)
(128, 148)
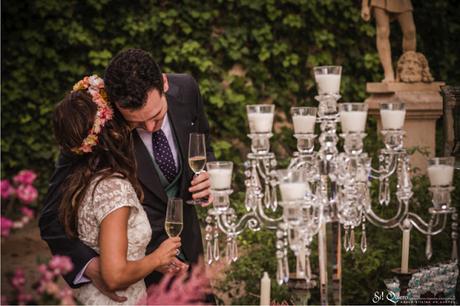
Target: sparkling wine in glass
(174, 220)
(196, 157)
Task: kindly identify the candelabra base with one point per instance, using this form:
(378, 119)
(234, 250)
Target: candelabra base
(300, 288)
(403, 278)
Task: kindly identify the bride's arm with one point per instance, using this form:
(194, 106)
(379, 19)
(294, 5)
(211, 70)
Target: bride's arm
(117, 272)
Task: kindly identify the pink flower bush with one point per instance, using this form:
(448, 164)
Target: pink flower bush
(182, 290)
(13, 215)
(6, 189)
(47, 291)
(25, 177)
(6, 225)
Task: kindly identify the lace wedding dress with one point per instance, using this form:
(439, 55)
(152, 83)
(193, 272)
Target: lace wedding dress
(109, 195)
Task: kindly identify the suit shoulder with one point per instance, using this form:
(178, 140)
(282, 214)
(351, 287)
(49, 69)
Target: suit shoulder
(181, 79)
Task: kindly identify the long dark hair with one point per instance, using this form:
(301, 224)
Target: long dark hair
(112, 156)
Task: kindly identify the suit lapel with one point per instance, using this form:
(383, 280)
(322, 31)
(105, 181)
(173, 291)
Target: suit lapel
(146, 170)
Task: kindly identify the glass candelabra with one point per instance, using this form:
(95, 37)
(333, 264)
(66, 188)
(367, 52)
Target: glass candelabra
(325, 191)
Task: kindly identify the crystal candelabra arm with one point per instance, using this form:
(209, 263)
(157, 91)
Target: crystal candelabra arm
(428, 228)
(386, 173)
(229, 227)
(268, 222)
(393, 222)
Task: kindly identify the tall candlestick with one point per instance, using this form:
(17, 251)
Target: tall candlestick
(405, 251)
(265, 289)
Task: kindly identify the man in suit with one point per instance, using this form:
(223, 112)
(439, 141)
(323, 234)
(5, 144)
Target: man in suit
(162, 111)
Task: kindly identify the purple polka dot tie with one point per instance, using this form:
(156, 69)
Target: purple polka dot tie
(163, 155)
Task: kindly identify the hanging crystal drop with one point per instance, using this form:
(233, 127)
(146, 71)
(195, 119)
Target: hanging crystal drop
(248, 200)
(307, 269)
(228, 251)
(300, 268)
(267, 197)
(382, 192)
(363, 238)
(428, 249)
(285, 269)
(209, 252)
(216, 251)
(274, 199)
(279, 272)
(234, 250)
(352, 239)
(387, 192)
(345, 240)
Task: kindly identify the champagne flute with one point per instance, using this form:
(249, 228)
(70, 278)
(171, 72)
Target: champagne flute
(196, 157)
(174, 220)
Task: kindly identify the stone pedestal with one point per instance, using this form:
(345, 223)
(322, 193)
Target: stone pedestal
(423, 107)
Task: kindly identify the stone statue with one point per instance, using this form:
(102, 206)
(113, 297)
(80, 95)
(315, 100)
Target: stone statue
(385, 11)
(413, 67)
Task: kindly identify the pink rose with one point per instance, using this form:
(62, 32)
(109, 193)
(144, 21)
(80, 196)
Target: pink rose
(26, 193)
(6, 225)
(27, 212)
(6, 189)
(25, 177)
(24, 298)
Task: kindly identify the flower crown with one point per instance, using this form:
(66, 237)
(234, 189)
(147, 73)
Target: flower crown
(95, 87)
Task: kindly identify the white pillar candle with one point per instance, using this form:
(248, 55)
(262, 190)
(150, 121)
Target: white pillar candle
(265, 290)
(304, 124)
(301, 263)
(353, 121)
(441, 175)
(405, 251)
(392, 119)
(260, 122)
(328, 83)
(293, 191)
(220, 178)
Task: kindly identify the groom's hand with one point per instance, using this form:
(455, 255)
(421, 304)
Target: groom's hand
(175, 266)
(201, 188)
(93, 272)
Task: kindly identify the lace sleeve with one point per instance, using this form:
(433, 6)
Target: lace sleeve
(110, 194)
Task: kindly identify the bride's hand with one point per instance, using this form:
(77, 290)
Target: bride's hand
(93, 272)
(166, 252)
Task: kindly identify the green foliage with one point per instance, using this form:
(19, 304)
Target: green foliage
(241, 52)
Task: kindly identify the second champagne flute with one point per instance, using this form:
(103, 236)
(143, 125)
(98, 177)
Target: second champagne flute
(196, 158)
(174, 220)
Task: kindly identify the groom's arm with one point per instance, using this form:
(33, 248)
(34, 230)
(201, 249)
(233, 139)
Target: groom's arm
(52, 231)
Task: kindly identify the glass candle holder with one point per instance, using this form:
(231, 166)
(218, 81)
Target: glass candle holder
(441, 171)
(353, 117)
(392, 115)
(260, 118)
(328, 79)
(220, 174)
(293, 184)
(304, 119)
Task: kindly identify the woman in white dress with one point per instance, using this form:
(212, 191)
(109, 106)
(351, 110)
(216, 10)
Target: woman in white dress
(101, 204)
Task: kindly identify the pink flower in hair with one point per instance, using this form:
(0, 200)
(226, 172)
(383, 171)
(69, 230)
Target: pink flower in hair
(25, 177)
(6, 225)
(27, 193)
(6, 189)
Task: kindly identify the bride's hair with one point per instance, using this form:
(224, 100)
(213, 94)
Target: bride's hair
(113, 155)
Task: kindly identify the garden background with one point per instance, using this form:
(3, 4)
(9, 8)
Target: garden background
(240, 52)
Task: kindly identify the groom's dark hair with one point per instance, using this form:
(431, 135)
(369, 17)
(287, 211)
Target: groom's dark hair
(130, 75)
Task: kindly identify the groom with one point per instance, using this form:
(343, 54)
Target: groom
(162, 110)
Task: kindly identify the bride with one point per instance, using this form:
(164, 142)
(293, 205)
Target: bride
(101, 204)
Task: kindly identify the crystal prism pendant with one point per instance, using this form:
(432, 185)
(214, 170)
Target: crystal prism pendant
(428, 249)
(363, 240)
(209, 252)
(216, 250)
(352, 239)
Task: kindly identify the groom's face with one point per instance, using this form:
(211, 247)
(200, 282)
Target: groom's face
(150, 117)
